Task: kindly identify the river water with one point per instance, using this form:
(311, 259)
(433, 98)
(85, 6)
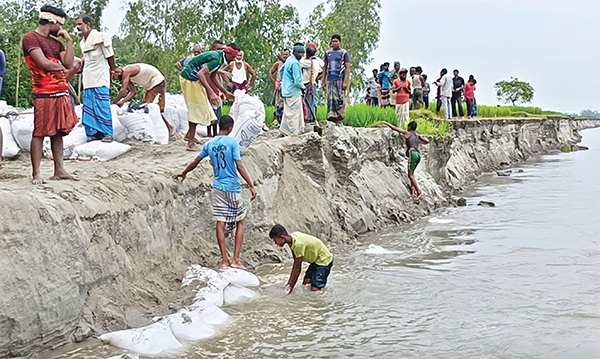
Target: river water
(519, 280)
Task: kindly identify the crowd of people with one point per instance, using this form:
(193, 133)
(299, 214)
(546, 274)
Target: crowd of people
(207, 79)
(409, 90)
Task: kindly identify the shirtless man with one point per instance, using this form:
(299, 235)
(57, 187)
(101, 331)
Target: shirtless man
(147, 77)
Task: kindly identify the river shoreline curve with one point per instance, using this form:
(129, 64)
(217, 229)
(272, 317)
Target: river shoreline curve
(80, 259)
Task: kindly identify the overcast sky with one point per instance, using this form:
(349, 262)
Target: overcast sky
(552, 44)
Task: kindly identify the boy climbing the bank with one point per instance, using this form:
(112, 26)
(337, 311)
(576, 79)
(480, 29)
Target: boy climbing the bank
(412, 152)
(305, 248)
(227, 205)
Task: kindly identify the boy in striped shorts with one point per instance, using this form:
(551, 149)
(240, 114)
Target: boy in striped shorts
(227, 205)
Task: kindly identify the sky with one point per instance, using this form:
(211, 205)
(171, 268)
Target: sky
(552, 44)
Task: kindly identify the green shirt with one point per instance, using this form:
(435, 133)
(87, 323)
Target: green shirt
(212, 59)
(311, 248)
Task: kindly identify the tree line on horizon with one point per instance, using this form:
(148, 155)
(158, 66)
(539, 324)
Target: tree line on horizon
(160, 32)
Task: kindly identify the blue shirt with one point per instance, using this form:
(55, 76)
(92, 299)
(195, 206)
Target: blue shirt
(223, 152)
(2, 63)
(384, 77)
(336, 60)
(291, 77)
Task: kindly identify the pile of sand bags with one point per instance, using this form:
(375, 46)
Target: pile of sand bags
(170, 334)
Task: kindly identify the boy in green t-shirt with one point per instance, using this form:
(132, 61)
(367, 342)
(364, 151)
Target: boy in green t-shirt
(305, 248)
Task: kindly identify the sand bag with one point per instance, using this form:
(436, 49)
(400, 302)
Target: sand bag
(22, 130)
(100, 151)
(246, 128)
(240, 277)
(245, 103)
(10, 148)
(234, 294)
(153, 339)
(190, 326)
(126, 356)
(211, 314)
(199, 276)
(119, 132)
(77, 137)
(160, 128)
(139, 126)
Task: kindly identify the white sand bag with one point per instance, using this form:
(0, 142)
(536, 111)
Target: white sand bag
(245, 103)
(76, 137)
(160, 128)
(126, 356)
(240, 277)
(246, 129)
(22, 129)
(100, 151)
(139, 126)
(119, 132)
(211, 314)
(79, 111)
(10, 148)
(153, 339)
(199, 276)
(234, 294)
(211, 294)
(184, 125)
(190, 326)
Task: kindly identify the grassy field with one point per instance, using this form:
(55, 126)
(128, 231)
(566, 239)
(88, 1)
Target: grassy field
(429, 123)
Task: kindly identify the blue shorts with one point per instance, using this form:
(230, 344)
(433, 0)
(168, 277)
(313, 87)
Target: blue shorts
(318, 274)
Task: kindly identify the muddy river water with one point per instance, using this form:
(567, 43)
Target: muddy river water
(519, 280)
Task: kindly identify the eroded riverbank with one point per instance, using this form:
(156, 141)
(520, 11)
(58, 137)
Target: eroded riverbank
(108, 252)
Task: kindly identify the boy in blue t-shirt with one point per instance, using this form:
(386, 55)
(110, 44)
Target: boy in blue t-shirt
(227, 205)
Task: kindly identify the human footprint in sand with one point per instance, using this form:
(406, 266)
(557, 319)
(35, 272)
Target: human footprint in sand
(225, 158)
(412, 152)
(54, 115)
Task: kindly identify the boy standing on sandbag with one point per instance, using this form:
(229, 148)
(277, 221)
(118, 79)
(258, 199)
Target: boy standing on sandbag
(305, 248)
(227, 205)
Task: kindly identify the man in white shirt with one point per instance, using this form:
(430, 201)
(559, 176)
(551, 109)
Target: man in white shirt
(446, 84)
(99, 61)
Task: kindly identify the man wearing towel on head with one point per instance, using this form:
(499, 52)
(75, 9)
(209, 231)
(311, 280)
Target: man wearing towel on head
(54, 116)
(202, 88)
(292, 86)
(99, 63)
(147, 77)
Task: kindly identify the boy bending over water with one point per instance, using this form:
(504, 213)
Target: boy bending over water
(227, 206)
(305, 248)
(412, 152)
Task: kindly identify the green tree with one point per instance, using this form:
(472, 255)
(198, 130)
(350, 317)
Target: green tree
(357, 21)
(514, 91)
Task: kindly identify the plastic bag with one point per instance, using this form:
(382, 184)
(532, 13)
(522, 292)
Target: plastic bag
(10, 148)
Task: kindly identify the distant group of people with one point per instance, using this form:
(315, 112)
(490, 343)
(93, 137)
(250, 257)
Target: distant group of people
(296, 75)
(408, 89)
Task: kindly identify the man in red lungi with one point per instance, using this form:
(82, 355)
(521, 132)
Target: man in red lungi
(54, 115)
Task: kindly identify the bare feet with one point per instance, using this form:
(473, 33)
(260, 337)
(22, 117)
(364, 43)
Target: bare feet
(107, 139)
(64, 175)
(238, 265)
(193, 148)
(419, 196)
(38, 180)
(225, 265)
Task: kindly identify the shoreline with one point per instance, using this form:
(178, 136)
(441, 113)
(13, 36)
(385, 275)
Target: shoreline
(111, 249)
